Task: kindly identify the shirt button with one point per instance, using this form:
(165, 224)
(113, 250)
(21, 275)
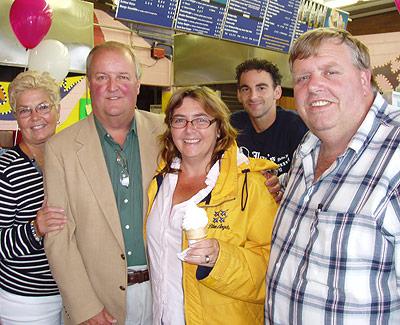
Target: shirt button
(292, 230)
(123, 256)
(127, 227)
(270, 302)
(129, 253)
(122, 288)
(126, 201)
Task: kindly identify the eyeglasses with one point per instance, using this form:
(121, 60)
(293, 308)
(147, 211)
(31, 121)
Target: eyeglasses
(122, 162)
(42, 109)
(197, 123)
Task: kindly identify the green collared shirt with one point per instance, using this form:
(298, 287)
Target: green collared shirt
(124, 167)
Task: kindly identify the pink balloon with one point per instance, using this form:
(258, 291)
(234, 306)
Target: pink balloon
(397, 2)
(30, 21)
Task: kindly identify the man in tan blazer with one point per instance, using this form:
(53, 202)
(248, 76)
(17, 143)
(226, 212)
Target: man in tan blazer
(88, 168)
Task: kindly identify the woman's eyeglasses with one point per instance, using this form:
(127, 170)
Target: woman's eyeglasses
(122, 162)
(42, 109)
(197, 123)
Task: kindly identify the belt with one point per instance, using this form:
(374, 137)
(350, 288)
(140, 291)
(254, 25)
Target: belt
(137, 276)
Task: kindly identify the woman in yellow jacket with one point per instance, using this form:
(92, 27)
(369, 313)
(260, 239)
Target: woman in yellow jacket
(222, 278)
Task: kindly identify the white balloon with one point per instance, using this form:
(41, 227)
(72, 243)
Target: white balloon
(51, 56)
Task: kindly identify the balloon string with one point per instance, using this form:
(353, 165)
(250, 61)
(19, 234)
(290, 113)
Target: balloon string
(27, 61)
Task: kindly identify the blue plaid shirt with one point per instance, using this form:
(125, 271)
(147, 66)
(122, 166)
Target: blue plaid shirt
(335, 256)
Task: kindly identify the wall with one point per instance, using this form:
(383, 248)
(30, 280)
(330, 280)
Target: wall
(377, 24)
(155, 72)
(385, 57)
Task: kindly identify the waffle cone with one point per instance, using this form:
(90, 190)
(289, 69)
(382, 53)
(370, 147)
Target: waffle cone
(196, 234)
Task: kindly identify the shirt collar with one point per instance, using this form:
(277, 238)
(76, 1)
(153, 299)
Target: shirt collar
(103, 134)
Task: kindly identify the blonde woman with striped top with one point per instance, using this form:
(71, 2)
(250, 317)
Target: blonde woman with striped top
(28, 292)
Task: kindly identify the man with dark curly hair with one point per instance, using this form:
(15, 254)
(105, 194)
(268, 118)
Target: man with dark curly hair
(265, 129)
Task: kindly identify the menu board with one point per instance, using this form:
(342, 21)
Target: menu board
(200, 17)
(271, 24)
(314, 15)
(280, 23)
(153, 12)
(244, 21)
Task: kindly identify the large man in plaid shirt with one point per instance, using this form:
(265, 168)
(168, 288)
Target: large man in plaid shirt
(335, 257)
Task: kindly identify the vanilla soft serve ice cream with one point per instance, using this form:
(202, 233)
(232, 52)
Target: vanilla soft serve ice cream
(195, 223)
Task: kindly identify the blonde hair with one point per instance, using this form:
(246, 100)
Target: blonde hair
(113, 46)
(214, 106)
(33, 80)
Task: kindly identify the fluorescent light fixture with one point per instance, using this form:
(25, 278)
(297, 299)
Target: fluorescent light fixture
(339, 3)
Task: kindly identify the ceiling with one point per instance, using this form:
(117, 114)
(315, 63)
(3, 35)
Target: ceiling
(365, 8)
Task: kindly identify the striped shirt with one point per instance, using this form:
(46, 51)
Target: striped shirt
(24, 269)
(335, 257)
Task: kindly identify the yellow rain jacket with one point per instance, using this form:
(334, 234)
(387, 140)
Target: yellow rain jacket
(241, 214)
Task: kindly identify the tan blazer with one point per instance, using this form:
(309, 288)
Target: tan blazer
(87, 257)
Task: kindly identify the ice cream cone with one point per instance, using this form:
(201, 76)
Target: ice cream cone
(196, 234)
(194, 223)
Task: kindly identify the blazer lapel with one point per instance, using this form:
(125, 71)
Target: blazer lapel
(149, 149)
(91, 158)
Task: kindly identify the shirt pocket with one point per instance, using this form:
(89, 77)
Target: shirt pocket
(349, 256)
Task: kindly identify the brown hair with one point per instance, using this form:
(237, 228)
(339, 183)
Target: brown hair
(214, 106)
(309, 43)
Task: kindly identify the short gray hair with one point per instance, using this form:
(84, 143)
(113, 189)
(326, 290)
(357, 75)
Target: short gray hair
(113, 45)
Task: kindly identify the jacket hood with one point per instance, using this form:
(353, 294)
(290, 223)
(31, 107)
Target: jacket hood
(234, 163)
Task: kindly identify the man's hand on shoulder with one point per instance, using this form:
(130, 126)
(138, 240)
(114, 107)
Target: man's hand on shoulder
(102, 318)
(272, 183)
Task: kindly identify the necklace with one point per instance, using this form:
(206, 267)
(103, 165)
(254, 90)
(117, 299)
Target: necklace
(36, 159)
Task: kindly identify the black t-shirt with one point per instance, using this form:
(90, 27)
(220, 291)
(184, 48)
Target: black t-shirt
(277, 143)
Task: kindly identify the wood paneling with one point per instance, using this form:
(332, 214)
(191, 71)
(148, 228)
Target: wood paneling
(383, 23)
